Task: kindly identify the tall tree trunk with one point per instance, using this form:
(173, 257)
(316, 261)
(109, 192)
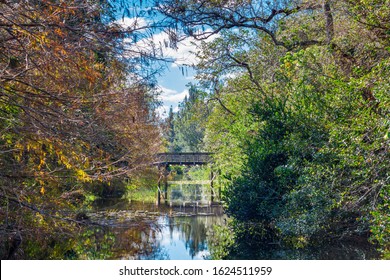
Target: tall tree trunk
(329, 22)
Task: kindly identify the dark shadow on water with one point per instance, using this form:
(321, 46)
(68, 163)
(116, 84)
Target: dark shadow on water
(250, 244)
(335, 251)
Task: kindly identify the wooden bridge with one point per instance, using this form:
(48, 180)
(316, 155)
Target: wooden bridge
(163, 160)
(183, 158)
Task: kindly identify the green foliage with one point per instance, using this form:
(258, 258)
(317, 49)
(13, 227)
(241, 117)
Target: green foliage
(145, 194)
(380, 223)
(302, 136)
(88, 244)
(69, 129)
(93, 244)
(142, 187)
(186, 128)
(199, 173)
(220, 242)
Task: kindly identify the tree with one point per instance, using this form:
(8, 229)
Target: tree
(299, 126)
(73, 112)
(189, 122)
(170, 129)
(202, 19)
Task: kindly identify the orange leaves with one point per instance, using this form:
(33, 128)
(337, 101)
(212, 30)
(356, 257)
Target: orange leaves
(75, 118)
(88, 71)
(70, 122)
(59, 51)
(59, 32)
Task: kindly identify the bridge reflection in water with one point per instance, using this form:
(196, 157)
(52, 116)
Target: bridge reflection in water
(163, 160)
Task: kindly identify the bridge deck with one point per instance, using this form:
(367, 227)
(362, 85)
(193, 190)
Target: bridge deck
(183, 158)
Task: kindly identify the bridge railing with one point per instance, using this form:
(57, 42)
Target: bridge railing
(183, 158)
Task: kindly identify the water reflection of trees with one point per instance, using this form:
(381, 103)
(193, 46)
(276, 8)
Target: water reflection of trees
(121, 241)
(180, 193)
(138, 243)
(336, 251)
(147, 242)
(128, 235)
(233, 242)
(193, 231)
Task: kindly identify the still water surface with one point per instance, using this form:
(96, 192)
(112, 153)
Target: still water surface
(181, 230)
(148, 231)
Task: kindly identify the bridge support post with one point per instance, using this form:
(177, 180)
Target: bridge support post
(161, 176)
(212, 185)
(158, 193)
(166, 184)
(162, 180)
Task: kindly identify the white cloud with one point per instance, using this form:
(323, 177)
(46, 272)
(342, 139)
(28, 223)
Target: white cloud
(159, 44)
(163, 111)
(171, 95)
(183, 54)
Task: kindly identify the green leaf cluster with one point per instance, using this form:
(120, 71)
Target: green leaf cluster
(301, 136)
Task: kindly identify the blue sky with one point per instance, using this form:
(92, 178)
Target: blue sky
(173, 86)
(171, 82)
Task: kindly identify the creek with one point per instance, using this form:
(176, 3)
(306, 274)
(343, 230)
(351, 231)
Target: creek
(177, 229)
(182, 228)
